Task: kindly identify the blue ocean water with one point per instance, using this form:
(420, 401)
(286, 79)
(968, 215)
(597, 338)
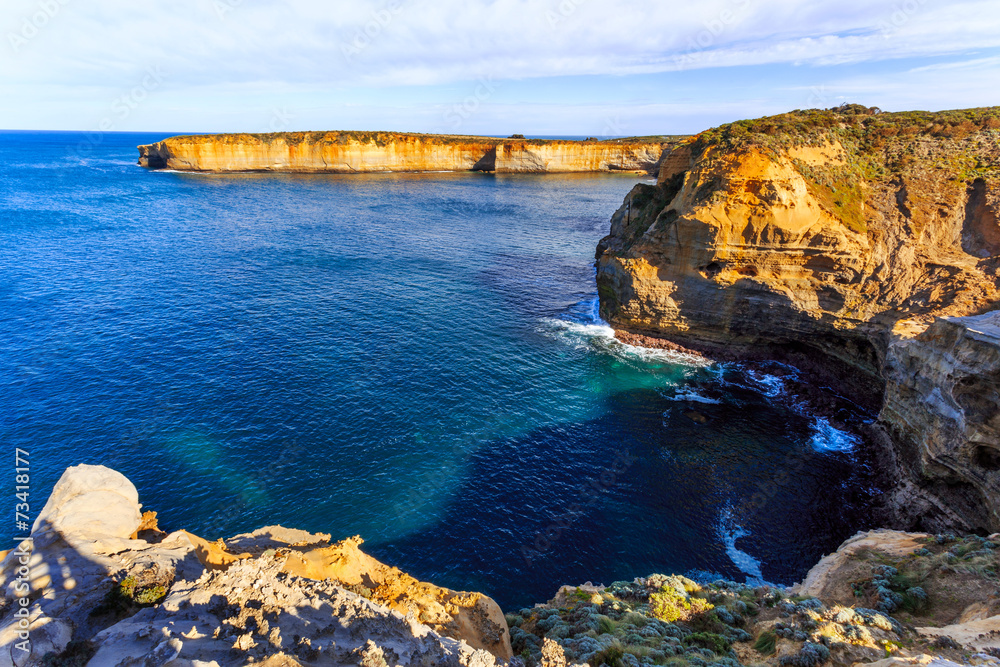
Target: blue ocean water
(414, 358)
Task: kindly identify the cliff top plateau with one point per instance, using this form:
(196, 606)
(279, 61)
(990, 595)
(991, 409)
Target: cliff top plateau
(352, 152)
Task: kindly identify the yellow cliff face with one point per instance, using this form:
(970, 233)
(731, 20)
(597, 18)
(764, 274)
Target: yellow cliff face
(354, 152)
(840, 242)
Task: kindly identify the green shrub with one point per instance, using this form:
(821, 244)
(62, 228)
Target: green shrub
(710, 640)
(611, 656)
(766, 642)
(670, 605)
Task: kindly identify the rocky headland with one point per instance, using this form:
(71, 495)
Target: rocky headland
(364, 152)
(862, 247)
(99, 584)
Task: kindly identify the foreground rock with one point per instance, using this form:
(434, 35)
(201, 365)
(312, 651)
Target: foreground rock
(100, 585)
(884, 598)
(88, 590)
(359, 152)
(829, 239)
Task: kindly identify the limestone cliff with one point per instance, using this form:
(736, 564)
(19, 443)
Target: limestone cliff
(99, 584)
(828, 238)
(354, 152)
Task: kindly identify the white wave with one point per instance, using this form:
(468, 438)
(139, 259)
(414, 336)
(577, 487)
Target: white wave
(729, 532)
(588, 336)
(769, 385)
(693, 396)
(828, 438)
(580, 332)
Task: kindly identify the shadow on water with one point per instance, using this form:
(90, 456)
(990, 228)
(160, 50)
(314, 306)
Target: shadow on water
(653, 485)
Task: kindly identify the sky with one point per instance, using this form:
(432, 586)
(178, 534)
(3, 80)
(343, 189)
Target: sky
(496, 67)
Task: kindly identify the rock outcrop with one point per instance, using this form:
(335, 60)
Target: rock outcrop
(360, 152)
(919, 598)
(942, 402)
(85, 590)
(830, 239)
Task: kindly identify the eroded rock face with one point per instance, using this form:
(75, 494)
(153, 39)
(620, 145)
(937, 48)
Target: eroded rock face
(84, 589)
(943, 403)
(354, 152)
(824, 246)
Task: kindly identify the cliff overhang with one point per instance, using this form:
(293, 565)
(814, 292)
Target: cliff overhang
(830, 239)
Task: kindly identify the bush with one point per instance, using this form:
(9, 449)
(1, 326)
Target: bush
(713, 642)
(669, 605)
(766, 642)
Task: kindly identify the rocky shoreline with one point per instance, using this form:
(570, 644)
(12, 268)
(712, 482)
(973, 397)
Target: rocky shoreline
(99, 584)
(861, 247)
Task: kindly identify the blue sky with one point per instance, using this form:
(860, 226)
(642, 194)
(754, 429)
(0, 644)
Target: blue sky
(560, 67)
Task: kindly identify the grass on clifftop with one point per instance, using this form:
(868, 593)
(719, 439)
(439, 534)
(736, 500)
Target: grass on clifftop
(866, 127)
(878, 147)
(386, 138)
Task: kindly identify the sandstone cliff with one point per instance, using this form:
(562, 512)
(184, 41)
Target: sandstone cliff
(354, 152)
(830, 238)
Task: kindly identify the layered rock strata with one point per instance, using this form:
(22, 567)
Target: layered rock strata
(831, 238)
(360, 152)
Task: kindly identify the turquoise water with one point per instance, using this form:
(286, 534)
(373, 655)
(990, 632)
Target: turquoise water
(412, 358)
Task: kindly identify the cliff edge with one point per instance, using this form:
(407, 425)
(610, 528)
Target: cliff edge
(99, 584)
(361, 152)
(835, 239)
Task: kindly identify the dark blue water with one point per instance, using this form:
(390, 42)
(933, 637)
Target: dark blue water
(413, 358)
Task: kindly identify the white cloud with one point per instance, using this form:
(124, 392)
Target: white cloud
(73, 59)
(392, 42)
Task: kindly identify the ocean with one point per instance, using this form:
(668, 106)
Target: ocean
(413, 358)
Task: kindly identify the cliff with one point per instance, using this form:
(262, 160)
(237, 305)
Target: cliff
(99, 585)
(359, 152)
(830, 239)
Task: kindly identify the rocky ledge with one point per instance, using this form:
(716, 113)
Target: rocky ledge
(863, 247)
(98, 584)
(360, 152)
